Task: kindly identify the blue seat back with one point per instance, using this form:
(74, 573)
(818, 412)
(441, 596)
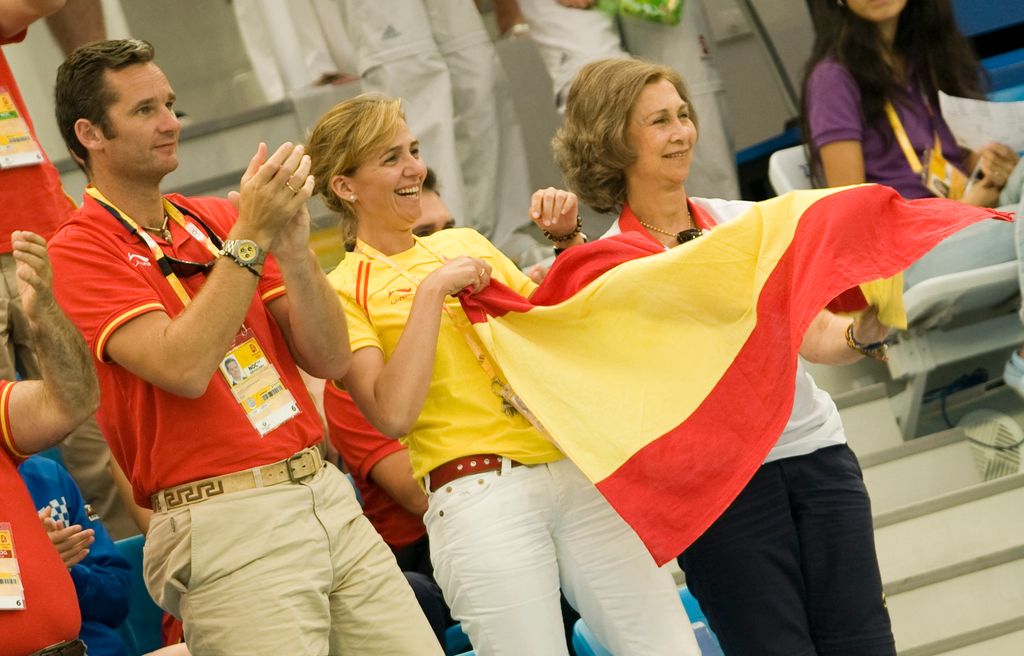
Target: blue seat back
(141, 632)
(455, 640)
(586, 643)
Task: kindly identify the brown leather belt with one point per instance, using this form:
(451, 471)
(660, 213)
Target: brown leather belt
(465, 466)
(298, 467)
(67, 648)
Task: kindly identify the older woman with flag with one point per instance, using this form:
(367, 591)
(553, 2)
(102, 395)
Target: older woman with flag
(510, 520)
(790, 566)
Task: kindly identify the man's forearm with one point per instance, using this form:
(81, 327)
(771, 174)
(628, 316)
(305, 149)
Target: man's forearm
(68, 375)
(181, 355)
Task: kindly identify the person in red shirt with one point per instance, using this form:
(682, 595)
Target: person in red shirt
(38, 603)
(33, 198)
(253, 542)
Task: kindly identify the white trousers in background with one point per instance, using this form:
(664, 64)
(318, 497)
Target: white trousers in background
(503, 544)
(292, 44)
(437, 56)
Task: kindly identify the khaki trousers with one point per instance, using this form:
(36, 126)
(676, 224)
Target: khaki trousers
(85, 452)
(288, 569)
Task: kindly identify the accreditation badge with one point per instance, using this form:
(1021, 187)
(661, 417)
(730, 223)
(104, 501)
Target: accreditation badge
(17, 147)
(940, 177)
(12, 591)
(256, 385)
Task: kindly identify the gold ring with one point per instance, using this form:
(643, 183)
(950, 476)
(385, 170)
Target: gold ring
(288, 183)
(483, 272)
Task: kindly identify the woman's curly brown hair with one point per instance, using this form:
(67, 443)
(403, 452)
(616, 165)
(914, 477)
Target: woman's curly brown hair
(591, 147)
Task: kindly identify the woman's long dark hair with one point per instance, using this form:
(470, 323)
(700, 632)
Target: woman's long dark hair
(927, 40)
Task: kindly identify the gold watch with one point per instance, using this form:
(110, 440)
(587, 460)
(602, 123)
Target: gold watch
(246, 254)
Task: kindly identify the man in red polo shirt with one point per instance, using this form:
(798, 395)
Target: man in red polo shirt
(254, 543)
(38, 604)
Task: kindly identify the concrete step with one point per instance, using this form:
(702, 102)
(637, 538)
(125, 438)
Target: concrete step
(1009, 644)
(959, 612)
(953, 565)
(951, 535)
(867, 416)
(918, 470)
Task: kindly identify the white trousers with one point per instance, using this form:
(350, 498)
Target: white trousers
(292, 44)
(569, 38)
(437, 56)
(503, 543)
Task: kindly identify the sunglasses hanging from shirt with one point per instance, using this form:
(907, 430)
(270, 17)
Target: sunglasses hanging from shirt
(171, 268)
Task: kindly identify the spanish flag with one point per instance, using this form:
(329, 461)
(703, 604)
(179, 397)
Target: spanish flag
(667, 376)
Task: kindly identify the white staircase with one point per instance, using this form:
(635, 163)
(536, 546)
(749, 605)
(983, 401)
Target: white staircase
(950, 548)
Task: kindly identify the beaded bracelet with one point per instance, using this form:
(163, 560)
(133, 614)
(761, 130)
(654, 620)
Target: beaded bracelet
(876, 350)
(559, 251)
(557, 238)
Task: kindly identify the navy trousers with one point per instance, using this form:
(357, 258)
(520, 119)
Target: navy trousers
(790, 567)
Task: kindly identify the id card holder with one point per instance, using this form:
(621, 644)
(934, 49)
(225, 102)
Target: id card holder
(17, 147)
(940, 177)
(256, 384)
(12, 591)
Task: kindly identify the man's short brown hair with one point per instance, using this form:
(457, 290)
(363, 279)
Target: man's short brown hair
(81, 91)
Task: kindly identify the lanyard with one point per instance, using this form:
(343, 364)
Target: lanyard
(176, 215)
(904, 140)
(510, 401)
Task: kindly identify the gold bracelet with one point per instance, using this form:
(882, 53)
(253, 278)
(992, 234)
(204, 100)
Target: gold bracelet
(876, 350)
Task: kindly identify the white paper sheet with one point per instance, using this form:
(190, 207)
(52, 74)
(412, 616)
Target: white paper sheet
(975, 123)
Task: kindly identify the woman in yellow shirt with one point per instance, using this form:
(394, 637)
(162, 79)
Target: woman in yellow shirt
(510, 519)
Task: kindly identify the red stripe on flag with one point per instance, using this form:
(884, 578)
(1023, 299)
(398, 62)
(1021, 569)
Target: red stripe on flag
(571, 272)
(703, 464)
(671, 490)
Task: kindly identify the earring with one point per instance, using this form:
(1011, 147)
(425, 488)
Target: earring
(352, 198)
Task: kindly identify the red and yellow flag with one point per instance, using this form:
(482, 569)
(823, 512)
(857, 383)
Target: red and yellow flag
(668, 376)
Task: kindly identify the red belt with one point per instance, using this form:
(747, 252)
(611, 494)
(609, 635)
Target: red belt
(465, 466)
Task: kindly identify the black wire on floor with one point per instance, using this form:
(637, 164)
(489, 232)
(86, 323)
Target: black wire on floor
(966, 381)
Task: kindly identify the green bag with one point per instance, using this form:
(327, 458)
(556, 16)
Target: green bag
(666, 12)
(610, 7)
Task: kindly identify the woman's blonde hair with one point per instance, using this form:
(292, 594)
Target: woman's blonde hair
(343, 139)
(591, 147)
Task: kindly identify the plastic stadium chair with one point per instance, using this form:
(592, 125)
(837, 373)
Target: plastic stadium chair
(455, 640)
(690, 605)
(141, 631)
(355, 488)
(586, 644)
(788, 170)
(953, 318)
(53, 453)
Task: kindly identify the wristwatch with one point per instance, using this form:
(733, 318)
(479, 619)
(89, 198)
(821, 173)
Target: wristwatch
(246, 254)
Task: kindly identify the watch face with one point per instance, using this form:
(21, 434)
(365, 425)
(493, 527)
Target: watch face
(247, 251)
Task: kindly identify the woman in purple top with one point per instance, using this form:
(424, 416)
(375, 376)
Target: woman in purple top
(872, 52)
